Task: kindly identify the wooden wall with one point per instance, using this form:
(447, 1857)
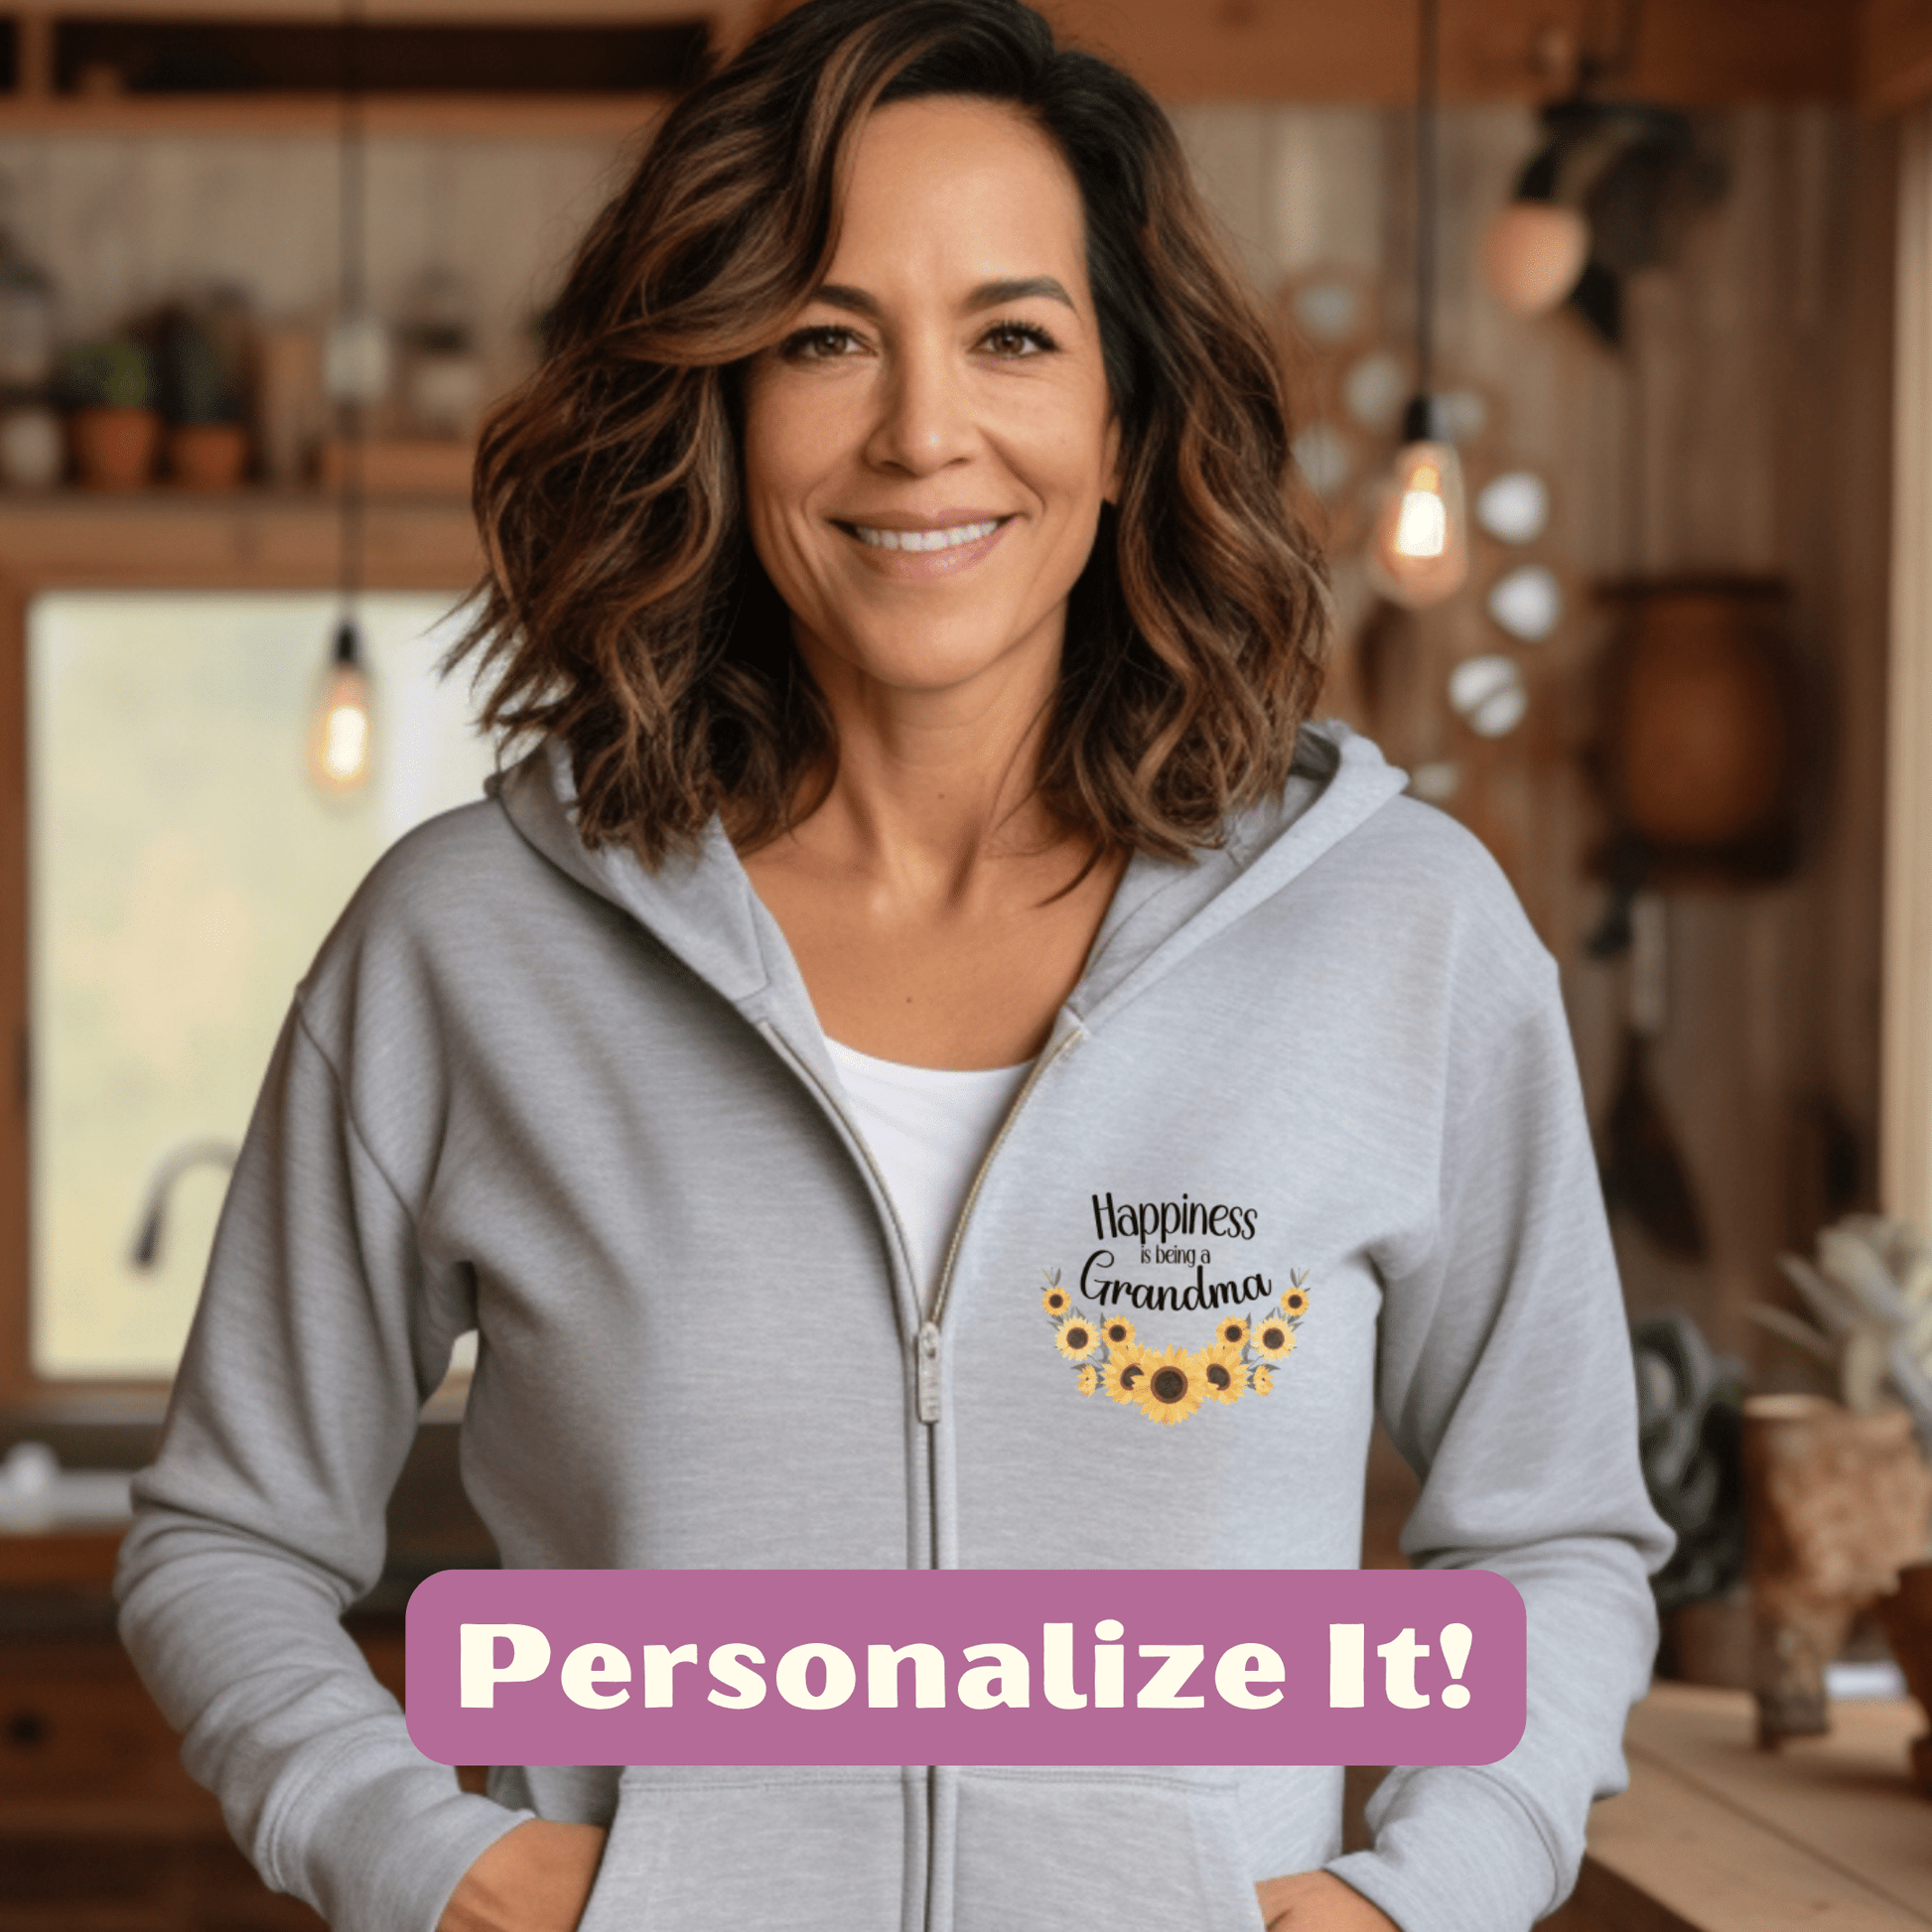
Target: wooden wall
(1744, 428)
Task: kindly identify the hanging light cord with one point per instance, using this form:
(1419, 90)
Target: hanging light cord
(352, 295)
(1428, 28)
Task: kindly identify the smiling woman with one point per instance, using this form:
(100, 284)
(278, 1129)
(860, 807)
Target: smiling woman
(925, 891)
(1030, 228)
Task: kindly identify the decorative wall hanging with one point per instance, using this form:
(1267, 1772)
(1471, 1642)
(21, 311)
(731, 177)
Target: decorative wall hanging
(1697, 757)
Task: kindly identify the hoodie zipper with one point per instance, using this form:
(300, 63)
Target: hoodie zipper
(928, 1376)
(927, 1345)
(925, 1379)
(926, 1383)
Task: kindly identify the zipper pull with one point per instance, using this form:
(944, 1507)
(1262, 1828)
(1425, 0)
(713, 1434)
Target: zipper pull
(928, 1380)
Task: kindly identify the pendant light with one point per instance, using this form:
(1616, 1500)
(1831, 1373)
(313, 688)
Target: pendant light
(1418, 549)
(342, 732)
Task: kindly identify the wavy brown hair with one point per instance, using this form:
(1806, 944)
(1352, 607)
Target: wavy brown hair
(623, 609)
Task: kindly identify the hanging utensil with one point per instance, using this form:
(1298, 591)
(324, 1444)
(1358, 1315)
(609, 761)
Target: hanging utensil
(1644, 1173)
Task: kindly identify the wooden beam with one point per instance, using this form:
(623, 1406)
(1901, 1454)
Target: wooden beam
(492, 13)
(1695, 53)
(1895, 54)
(1698, 53)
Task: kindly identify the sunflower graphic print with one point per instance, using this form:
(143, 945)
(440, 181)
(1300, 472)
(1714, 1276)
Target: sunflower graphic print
(1173, 1384)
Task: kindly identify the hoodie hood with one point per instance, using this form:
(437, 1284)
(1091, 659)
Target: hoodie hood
(701, 905)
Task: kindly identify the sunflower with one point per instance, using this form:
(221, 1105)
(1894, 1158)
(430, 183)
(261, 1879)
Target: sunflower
(1231, 1332)
(1077, 1337)
(1274, 1337)
(1117, 1331)
(1055, 1301)
(1089, 1379)
(1175, 1385)
(1295, 1304)
(1264, 1378)
(1227, 1374)
(1126, 1370)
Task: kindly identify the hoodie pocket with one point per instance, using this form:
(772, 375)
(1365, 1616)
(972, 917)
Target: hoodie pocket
(710, 1851)
(1039, 1852)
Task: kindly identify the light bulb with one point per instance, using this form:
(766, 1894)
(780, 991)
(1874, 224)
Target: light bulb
(1418, 551)
(342, 733)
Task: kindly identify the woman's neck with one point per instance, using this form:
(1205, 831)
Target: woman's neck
(934, 797)
(938, 911)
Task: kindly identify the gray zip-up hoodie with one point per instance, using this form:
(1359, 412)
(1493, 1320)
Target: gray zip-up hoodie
(587, 1109)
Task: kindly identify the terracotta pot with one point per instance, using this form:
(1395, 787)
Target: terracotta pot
(1907, 1619)
(114, 448)
(207, 455)
(1838, 1503)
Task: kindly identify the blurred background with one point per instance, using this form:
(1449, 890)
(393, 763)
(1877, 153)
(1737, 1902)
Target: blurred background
(1609, 328)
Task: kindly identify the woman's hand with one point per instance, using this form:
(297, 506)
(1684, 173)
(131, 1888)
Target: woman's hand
(535, 1878)
(1315, 1901)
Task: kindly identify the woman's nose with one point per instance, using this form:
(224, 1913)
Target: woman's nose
(925, 419)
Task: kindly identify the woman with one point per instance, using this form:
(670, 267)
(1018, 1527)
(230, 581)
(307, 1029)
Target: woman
(921, 958)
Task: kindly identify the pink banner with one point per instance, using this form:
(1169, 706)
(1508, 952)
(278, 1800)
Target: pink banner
(966, 1667)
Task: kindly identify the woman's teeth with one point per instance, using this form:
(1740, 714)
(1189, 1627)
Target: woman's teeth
(924, 539)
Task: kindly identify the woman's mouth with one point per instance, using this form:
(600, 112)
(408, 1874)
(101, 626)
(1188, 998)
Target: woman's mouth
(948, 539)
(932, 553)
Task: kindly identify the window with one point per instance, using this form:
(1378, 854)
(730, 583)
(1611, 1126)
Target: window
(183, 869)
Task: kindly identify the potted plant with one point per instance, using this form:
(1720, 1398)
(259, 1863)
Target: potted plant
(1839, 1492)
(113, 425)
(202, 397)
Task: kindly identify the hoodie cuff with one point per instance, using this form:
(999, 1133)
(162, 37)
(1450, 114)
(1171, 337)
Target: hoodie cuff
(385, 1856)
(1456, 1852)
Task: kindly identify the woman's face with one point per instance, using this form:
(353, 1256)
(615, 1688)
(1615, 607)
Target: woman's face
(928, 447)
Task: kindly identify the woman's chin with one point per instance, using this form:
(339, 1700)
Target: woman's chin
(912, 669)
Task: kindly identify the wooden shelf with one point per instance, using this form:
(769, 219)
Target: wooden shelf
(245, 540)
(564, 117)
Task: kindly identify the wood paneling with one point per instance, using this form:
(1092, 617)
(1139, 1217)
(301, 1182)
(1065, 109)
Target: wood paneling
(1907, 1085)
(1744, 428)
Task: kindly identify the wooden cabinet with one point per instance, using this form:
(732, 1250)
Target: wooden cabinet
(100, 1827)
(102, 1830)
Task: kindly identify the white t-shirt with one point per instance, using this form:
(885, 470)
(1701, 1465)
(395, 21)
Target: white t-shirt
(929, 1127)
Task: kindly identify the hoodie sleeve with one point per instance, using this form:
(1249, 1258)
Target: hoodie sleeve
(315, 1344)
(1505, 1379)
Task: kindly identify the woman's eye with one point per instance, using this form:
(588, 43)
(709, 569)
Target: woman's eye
(1016, 339)
(824, 342)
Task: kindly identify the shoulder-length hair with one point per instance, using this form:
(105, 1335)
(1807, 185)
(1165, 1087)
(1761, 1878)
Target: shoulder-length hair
(623, 609)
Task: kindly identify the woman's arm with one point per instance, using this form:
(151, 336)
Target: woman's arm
(263, 1518)
(1505, 1378)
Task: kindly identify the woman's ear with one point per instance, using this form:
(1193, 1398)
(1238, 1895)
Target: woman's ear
(1110, 490)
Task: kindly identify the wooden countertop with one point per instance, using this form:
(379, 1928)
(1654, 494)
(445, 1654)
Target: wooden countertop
(1828, 1834)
